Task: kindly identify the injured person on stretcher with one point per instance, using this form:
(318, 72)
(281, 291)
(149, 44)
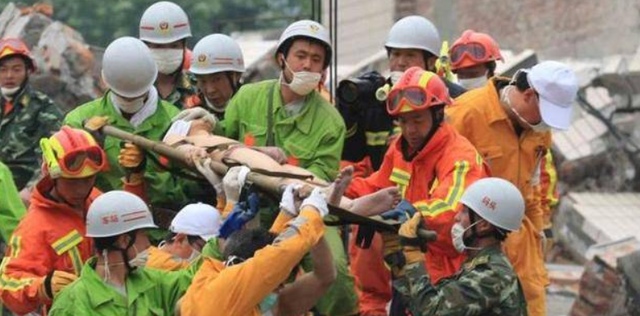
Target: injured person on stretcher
(195, 139)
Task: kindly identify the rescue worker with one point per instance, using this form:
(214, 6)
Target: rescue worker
(26, 115)
(308, 131)
(509, 122)
(412, 41)
(473, 58)
(250, 280)
(11, 207)
(431, 164)
(164, 28)
(47, 249)
(218, 65)
(115, 282)
(193, 227)
(486, 284)
(132, 104)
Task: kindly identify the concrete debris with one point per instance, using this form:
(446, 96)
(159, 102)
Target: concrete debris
(68, 70)
(604, 286)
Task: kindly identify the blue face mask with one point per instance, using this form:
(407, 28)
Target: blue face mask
(268, 303)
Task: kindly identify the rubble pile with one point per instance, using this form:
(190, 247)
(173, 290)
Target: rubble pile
(67, 67)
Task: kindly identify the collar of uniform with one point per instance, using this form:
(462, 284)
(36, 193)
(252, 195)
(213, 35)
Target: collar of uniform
(482, 257)
(40, 200)
(150, 123)
(304, 119)
(23, 98)
(101, 293)
(495, 111)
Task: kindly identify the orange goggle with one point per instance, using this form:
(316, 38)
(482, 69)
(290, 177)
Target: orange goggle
(474, 51)
(415, 97)
(75, 162)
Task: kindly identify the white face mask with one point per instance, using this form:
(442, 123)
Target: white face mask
(167, 60)
(473, 83)
(395, 76)
(128, 106)
(303, 82)
(9, 92)
(140, 259)
(457, 236)
(195, 254)
(539, 128)
(219, 109)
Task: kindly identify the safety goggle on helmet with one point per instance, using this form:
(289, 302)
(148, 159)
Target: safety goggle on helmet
(417, 89)
(72, 153)
(473, 48)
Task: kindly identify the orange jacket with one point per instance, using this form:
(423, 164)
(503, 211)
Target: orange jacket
(479, 116)
(49, 237)
(162, 260)
(433, 182)
(238, 290)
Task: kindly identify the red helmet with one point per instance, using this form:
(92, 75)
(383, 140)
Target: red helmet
(473, 48)
(72, 153)
(417, 89)
(12, 47)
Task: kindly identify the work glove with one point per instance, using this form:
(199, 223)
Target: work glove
(276, 153)
(53, 283)
(413, 246)
(401, 213)
(287, 203)
(203, 166)
(131, 158)
(318, 201)
(197, 113)
(233, 182)
(392, 250)
(242, 213)
(93, 125)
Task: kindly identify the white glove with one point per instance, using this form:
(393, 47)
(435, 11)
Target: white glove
(287, 203)
(195, 114)
(233, 182)
(203, 166)
(318, 200)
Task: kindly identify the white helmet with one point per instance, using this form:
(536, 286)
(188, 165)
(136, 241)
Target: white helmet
(497, 201)
(128, 68)
(164, 22)
(117, 212)
(197, 219)
(310, 29)
(216, 53)
(414, 32)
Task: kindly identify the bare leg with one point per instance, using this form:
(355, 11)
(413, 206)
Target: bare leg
(336, 190)
(376, 203)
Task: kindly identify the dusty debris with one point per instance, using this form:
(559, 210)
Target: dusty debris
(68, 70)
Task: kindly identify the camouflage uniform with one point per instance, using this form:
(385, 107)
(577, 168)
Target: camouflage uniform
(185, 88)
(485, 285)
(33, 116)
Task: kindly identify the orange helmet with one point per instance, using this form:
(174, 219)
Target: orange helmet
(12, 47)
(417, 89)
(72, 153)
(473, 48)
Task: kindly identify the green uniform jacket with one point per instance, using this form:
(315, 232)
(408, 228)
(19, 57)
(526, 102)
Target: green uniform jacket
(163, 189)
(313, 138)
(486, 285)
(185, 88)
(34, 116)
(11, 207)
(149, 292)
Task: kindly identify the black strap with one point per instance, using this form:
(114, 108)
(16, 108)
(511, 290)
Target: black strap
(270, 140)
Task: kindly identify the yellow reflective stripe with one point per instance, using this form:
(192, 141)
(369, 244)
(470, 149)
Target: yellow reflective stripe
(550, 169)
(74, 254)
(376, 138)
(396, 130)
(400, 176)
(439, 206)
(424, 79)
(67, 242)
(10, 284)
(434, 186)
(478, 158)
(15, 246)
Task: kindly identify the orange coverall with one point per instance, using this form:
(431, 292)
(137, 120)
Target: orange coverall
(479, 116)
(433, 182)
